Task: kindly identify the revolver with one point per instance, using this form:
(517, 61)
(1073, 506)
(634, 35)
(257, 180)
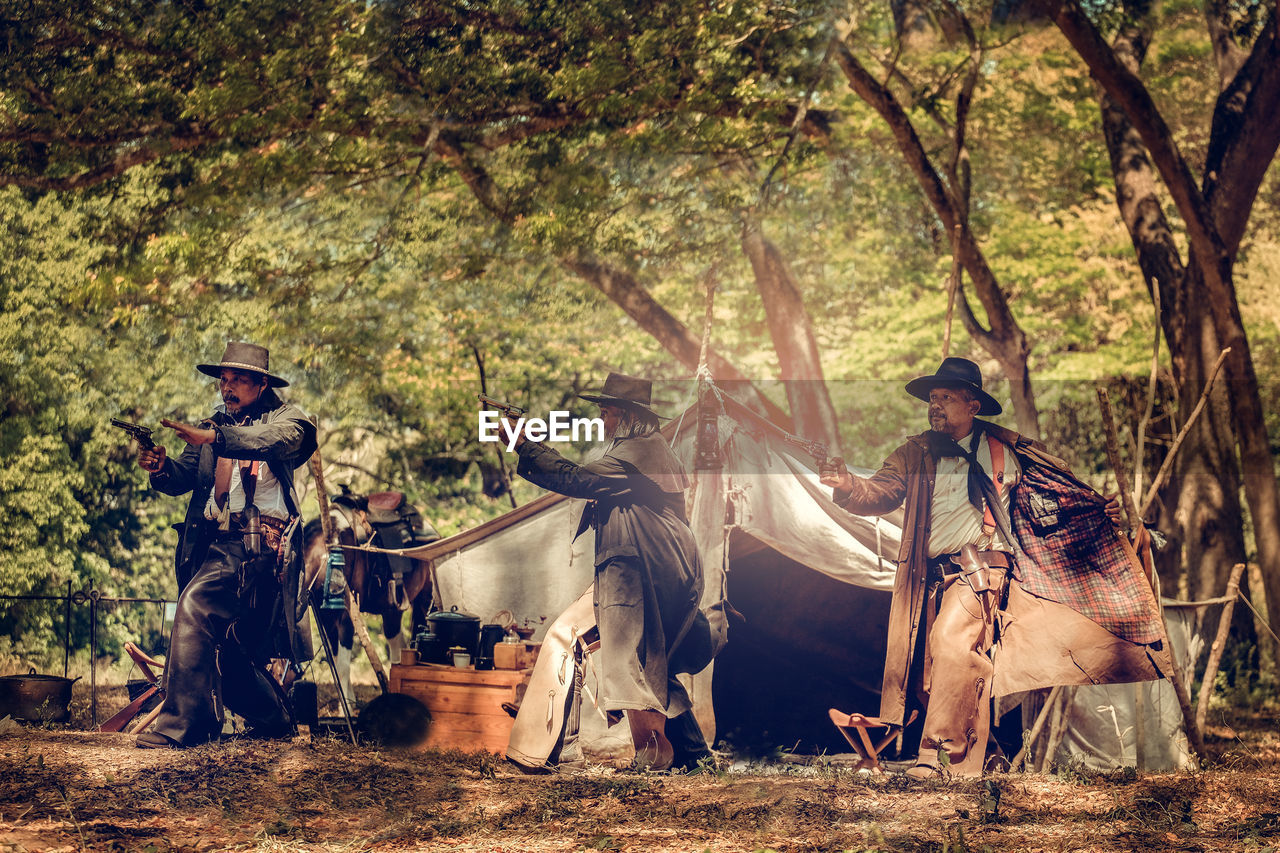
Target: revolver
(140, 434)
(507, 409)
(818, 450)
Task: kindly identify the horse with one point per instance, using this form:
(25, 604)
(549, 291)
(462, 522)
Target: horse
(381, 584)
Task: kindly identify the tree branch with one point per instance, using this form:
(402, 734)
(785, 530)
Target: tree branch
(619, 285)
(945, 204)
(1244, 137)
(1127, 89)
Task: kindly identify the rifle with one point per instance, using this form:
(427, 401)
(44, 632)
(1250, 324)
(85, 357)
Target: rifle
(818, 450)
(140, 434)
(507, 409)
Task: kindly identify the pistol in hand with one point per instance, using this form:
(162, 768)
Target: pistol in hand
(508, 410)
(140, 434)
(831, 468)
(827, 465)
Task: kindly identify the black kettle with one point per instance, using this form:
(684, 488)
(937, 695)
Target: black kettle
(490, 636)
(430, 648)
(455, 627)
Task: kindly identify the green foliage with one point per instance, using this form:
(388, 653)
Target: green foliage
(89, 82)
(71, 505)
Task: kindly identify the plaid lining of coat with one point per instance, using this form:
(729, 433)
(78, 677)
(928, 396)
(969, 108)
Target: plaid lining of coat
(1075, 554)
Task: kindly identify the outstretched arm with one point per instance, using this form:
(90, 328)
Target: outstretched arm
(283, 440)
(545, 467)
(169, 475)
(882, 492)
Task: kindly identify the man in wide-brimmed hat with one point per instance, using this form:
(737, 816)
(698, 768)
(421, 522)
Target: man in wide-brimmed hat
(648, 579)
(237, 556)
(1011, 575)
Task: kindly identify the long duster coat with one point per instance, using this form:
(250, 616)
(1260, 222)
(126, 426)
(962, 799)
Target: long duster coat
(1079, 610)
(648, 576)
(281, 436)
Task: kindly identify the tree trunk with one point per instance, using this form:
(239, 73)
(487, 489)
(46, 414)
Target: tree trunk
(1204, 494)
(1005, 340)
(1242, 143)
(638, 304)
(1209, 510)
(1011, 354)
(792, 331)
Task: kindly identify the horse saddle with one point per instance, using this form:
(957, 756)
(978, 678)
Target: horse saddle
(397, 524)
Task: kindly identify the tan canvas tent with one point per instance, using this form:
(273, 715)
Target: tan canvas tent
(811, 581)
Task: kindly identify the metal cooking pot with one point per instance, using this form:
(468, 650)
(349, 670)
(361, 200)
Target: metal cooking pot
(456, 628)
(36, 698)
(429, 648)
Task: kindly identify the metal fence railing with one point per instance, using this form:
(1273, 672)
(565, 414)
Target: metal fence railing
(95, 600)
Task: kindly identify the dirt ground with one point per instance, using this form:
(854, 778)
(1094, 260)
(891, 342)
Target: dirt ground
(65, 788)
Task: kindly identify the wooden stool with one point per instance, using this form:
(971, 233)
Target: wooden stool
(122, 717)
(867, 750)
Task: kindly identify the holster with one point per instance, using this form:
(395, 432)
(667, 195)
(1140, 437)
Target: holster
(983, 571)
(252, 533)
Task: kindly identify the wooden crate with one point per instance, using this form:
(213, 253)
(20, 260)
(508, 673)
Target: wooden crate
(465, 704)
(515, 655)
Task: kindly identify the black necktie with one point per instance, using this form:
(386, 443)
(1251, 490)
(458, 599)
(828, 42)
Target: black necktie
(942, 445)
(980, 486)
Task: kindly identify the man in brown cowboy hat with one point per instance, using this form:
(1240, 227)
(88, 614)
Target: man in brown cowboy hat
(1011, 575)
(235, 549)
(648, 579)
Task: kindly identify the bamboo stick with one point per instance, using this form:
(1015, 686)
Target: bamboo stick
(1038, 727)
(1174, 675)
(147, 720)
(1113, 456)
(1219, 643)
(322, 498)
(1057, 729)
(353, 609)
(1139, 726)
(1140, 450)
(1166, 468)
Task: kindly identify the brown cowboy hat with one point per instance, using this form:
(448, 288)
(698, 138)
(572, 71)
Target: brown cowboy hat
(956, 373)
(242, 355)
(626, 391)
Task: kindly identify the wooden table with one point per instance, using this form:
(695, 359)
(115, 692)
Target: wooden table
(465, 704)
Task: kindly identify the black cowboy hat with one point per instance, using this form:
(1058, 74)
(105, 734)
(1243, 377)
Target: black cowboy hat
(626, 391)
(956, 373)
(241, 355)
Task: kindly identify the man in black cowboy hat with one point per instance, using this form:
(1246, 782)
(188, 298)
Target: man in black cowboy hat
(236, 550)
(1011, 574)
(648, 580)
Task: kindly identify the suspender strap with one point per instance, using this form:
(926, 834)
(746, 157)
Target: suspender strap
(284, 477)
(997, 468)
(249, 481)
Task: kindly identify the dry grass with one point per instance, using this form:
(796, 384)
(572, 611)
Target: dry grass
(73, 790)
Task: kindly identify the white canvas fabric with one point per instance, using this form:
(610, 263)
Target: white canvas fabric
(531, 567)
(1134, 725)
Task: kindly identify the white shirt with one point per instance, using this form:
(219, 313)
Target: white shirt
(268, 497)
(954, 522)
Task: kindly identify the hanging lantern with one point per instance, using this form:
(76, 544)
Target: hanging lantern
(707, 446)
